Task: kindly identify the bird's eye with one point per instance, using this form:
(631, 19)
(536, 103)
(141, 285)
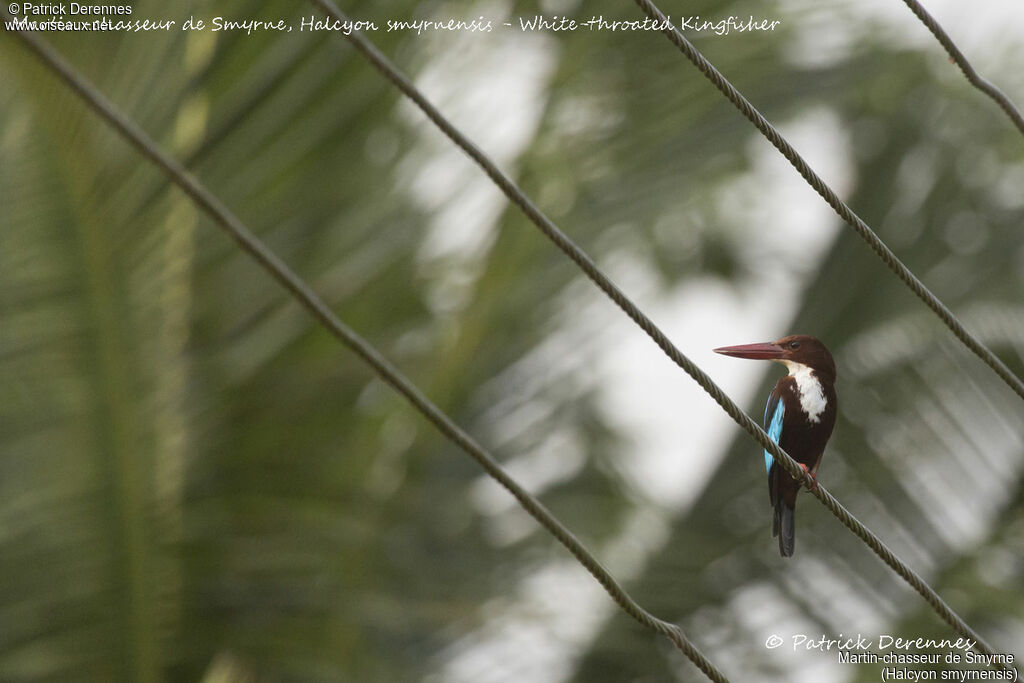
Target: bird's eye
(794, 345)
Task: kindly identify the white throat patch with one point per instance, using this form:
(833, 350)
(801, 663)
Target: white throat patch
(812, 396)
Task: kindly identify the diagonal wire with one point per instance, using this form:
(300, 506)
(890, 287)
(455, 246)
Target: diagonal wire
(301, 291)
(845, 212)
(586, 264)
(307, 298)
(958, 58)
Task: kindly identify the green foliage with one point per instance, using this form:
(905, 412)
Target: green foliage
(196, 482)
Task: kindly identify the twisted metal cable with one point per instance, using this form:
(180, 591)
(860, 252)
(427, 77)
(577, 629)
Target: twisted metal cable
(301, 291)
(845, 212)
(865, 534)
(958, 58)
(574, 252)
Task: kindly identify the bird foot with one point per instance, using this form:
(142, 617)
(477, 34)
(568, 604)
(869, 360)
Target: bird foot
(813, 486)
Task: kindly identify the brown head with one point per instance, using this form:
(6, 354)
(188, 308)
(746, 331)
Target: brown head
(800, 349)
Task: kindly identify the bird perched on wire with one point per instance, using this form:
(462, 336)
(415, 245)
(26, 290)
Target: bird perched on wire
(800, 414)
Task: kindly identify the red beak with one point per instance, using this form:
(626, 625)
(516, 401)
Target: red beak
(767, 351)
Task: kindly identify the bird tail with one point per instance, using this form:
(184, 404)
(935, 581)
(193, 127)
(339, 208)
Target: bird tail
(784, 526)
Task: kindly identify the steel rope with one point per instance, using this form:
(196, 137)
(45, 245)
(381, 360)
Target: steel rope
(586, 264)
(833, 200)
(960, 60)
(270, 262)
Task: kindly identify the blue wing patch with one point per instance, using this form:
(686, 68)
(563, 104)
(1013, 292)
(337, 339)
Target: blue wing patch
(775, 427)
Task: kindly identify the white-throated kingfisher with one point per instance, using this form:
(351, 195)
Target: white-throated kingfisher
(800, 414)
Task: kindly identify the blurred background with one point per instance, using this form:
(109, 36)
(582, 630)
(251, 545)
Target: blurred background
(198, 483)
